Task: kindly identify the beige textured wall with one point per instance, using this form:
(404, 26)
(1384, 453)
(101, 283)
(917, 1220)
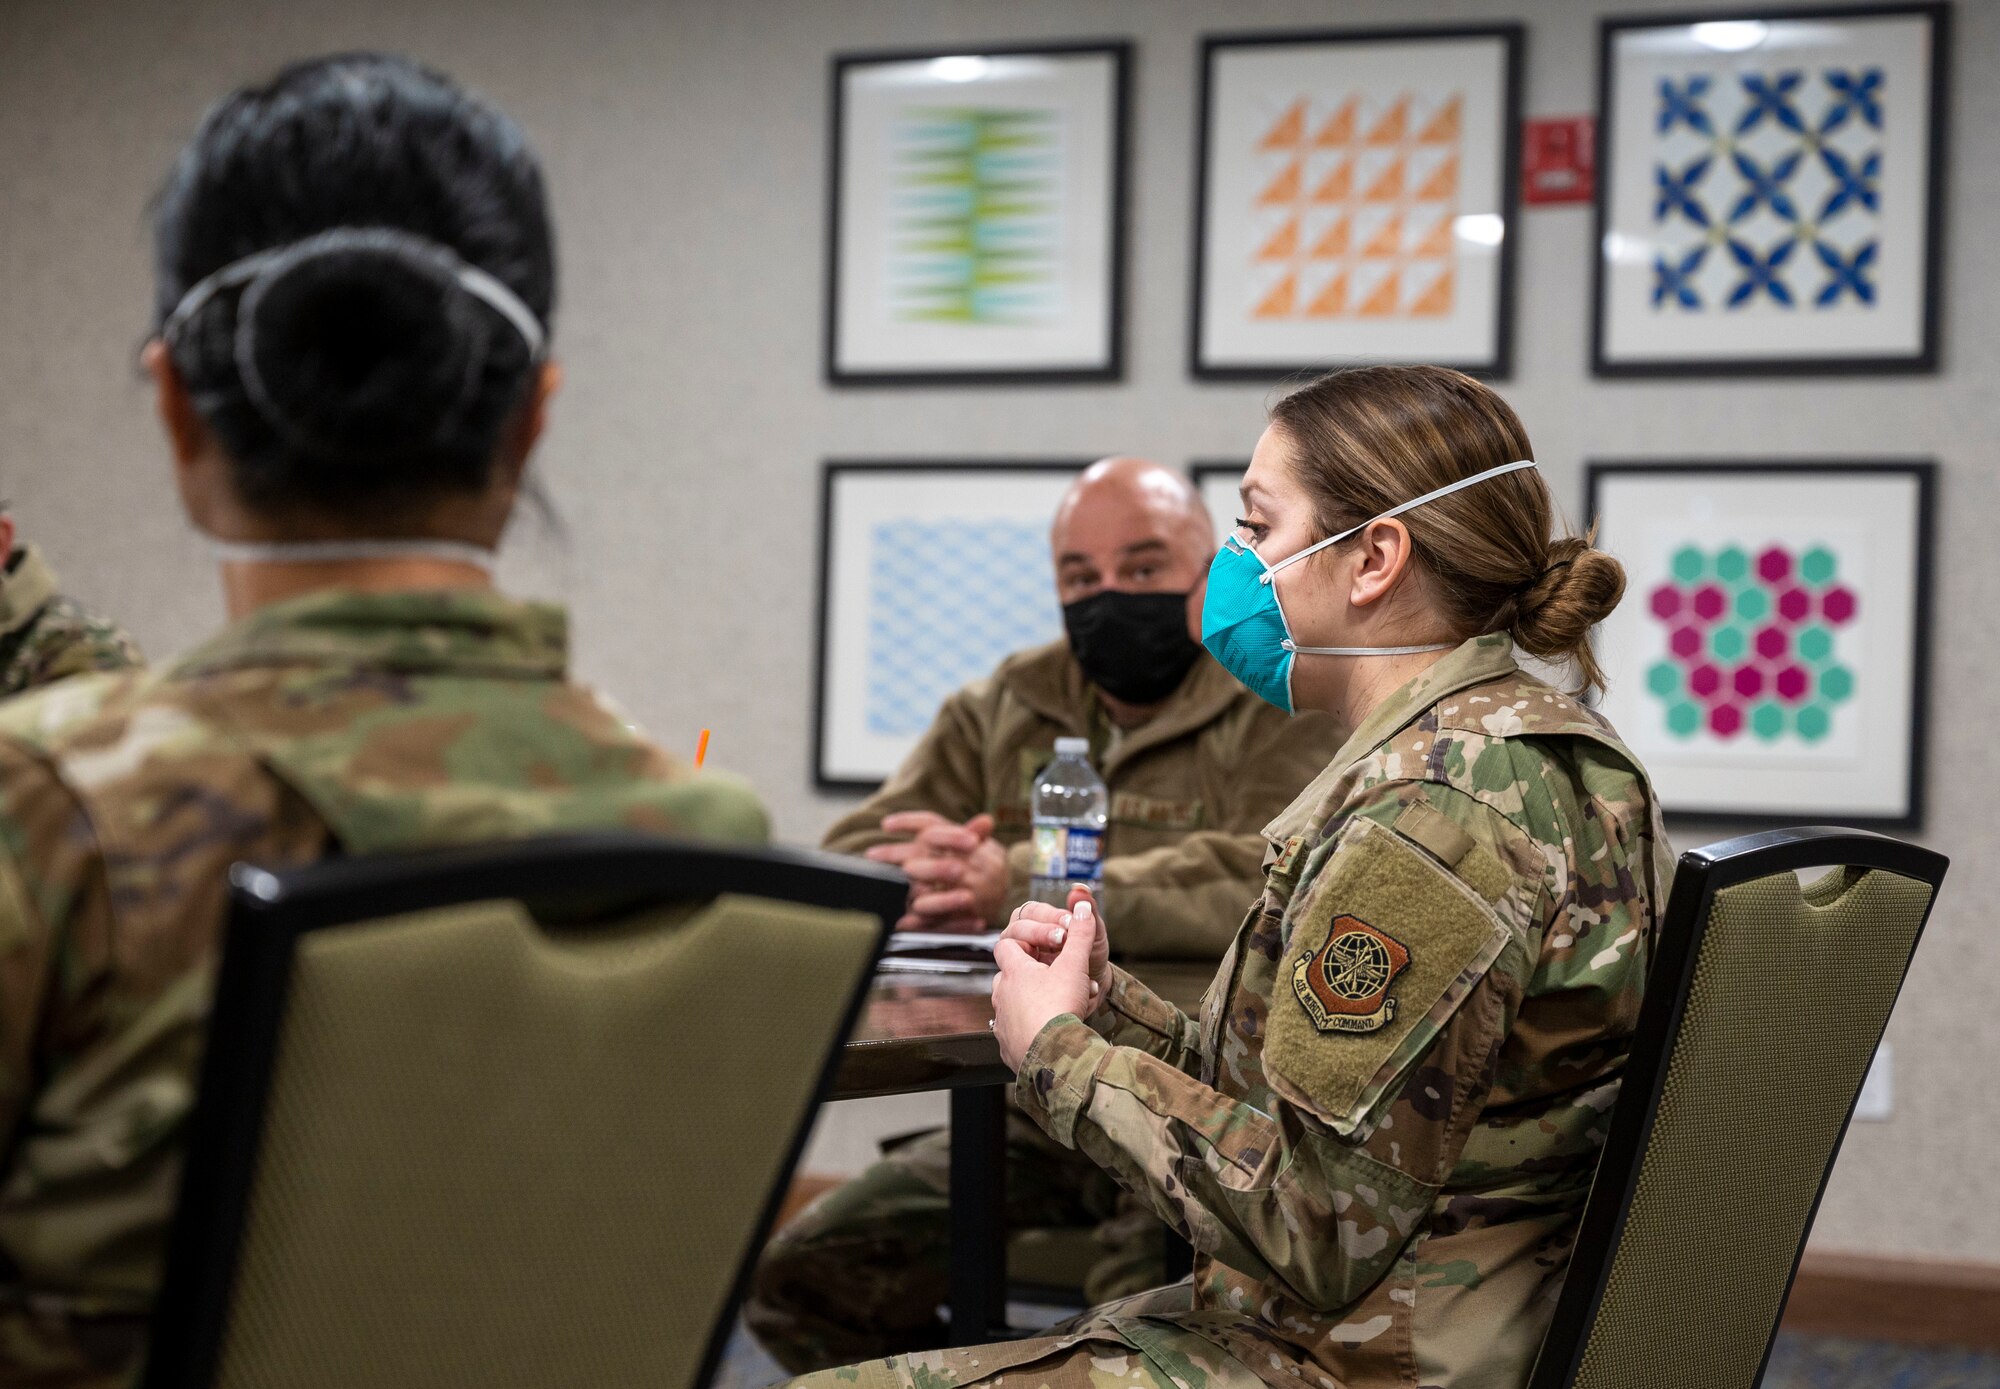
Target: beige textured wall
(686, 151)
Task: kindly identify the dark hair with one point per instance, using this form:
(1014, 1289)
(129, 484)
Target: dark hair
(1367, 439)
(374, 378)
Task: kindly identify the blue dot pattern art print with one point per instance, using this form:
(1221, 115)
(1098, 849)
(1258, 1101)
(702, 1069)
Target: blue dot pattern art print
(948, 599)
(1766, 191)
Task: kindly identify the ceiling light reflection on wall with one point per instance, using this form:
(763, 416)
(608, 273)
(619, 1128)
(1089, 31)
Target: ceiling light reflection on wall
(1730, 35)
(959, 68)
(1482, 228)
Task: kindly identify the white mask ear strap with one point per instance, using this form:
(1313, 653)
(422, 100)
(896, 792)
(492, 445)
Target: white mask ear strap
(1516, 466)
(470, 278)
(1363, 650)
(347, 551)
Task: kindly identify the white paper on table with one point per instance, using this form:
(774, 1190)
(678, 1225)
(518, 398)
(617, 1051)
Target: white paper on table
(910, 942)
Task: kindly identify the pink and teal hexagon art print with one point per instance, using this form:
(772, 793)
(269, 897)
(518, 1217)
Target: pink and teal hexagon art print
(1752, 643)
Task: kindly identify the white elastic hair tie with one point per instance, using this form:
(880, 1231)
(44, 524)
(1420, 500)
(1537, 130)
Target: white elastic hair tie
(346, 551)
(392, 240)
(1516, 466)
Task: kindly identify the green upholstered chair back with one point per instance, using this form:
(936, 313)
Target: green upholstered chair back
(1766, 1000)
(502, 1146)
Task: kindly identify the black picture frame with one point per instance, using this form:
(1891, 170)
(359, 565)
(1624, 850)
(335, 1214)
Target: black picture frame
(1120, 52)
(1923, 472)
(1513, 37)
(832, 470)
(1926, 359)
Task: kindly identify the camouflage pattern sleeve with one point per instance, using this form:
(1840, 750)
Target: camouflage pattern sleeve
(48, 860)
(720, 807)
(1239, 1184)
(943, 773)
(1389, 981)
(62, 640)
(1134, 1016)
(26, 949)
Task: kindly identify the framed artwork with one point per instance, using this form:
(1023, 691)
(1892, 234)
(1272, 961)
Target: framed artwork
(1770, 660)
(1769, 192)
(1355, 200)
(930, 572)
(977, 216)
(1218, 482)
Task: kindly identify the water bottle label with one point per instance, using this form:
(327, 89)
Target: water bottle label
(1049, 854)
(1067, 851)
(1085, 852)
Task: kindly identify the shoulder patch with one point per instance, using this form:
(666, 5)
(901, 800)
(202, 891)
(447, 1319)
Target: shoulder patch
(1385, 945)
(1344, 985)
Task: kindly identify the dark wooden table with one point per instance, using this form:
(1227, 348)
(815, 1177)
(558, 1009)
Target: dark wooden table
(928, 1031)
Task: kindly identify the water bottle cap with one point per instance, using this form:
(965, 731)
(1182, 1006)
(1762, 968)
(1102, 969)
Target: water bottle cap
(1072, 747)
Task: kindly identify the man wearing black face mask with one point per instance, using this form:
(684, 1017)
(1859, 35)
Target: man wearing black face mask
(1196, 766)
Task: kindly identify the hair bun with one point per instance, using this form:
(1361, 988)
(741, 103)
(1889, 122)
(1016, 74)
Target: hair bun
(361, 345)
(1577, 589)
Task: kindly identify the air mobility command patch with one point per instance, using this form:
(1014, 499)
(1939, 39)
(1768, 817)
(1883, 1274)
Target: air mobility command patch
(1344, 985)
(1383, 944)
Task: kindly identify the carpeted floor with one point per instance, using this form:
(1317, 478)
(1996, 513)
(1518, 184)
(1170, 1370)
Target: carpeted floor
(1827, 1362)
(1798, 1362)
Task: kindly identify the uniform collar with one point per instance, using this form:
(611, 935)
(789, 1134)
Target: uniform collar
(1051, 683)
(1474, 662)
(436, 631)
(26, 586)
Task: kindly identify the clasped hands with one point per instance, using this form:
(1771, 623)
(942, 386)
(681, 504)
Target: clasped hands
(1053, 960)
(957, 873)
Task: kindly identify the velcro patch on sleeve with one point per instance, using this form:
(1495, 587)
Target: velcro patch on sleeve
(1424, 824)
(1386, 944)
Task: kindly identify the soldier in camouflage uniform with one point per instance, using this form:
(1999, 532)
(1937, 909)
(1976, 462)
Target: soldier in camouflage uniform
(1381, 1129)
(1193, 773)
(44, 636)
(374, 694)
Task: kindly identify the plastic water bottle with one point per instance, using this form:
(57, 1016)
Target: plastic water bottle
(1069, 807)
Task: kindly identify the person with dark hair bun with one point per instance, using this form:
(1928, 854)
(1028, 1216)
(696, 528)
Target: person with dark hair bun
(355, 277)
(1380, 1132)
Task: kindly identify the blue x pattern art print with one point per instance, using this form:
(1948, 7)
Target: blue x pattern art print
(947, 599)
(1767, 190)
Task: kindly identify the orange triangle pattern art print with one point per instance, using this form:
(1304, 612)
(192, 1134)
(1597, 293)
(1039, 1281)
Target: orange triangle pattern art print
(1354, 207)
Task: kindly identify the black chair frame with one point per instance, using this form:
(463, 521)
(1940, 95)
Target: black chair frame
(572, 878)
(1700, 875)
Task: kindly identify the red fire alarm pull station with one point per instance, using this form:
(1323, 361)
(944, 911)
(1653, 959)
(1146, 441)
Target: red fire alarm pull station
(1559, 160)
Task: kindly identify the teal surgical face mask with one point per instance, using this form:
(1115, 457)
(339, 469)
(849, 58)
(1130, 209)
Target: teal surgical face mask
(1243, 625)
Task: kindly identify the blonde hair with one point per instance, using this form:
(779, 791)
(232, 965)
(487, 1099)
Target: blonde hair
(1366, 439)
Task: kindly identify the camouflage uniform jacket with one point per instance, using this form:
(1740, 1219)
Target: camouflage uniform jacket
(1381, 1131)
(336, 722)
(1189, 789)
(44, 636)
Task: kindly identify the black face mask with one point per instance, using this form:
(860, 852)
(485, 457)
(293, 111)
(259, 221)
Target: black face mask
(1133, 646)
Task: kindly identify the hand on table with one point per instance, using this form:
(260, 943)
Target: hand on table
(1052, 961)
(957, 873)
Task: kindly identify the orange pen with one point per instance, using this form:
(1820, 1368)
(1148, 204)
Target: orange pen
(701, 749)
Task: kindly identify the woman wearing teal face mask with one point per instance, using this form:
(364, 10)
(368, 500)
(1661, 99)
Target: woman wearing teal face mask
(1381, 1129)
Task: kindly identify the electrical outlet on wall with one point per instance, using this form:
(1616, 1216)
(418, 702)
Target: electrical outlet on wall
(1876, 1096)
